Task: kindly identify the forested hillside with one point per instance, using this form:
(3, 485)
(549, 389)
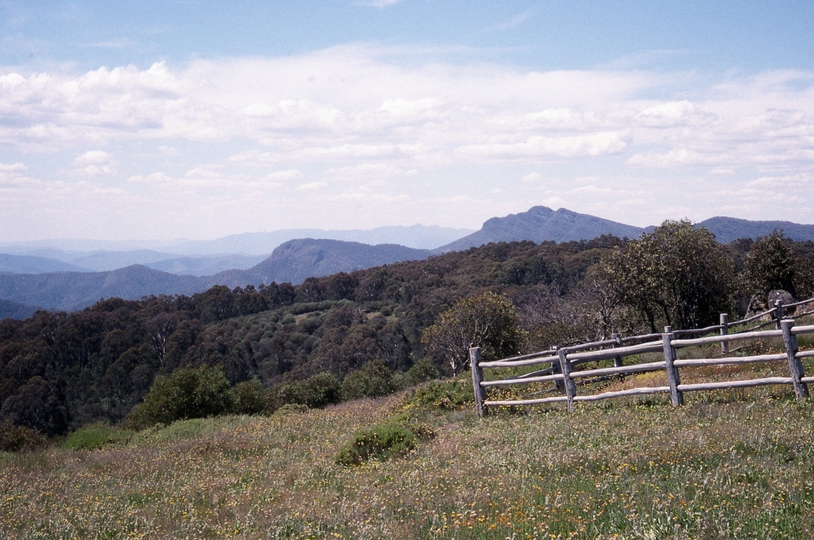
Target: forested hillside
(59, 371)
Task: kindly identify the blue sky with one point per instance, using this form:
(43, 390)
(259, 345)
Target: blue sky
(157, 120)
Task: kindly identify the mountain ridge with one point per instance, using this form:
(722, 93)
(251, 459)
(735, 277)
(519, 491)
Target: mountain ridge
(297, 259)
(539, 224)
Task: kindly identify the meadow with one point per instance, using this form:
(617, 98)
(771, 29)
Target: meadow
(726, 465)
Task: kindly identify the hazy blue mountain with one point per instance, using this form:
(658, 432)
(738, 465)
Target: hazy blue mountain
(206, 266)
(13, 310)
(29, 264)
(727, 229)
(293, 262)
(103, 261)
(415, 236)
(296, 260)
(541, 224)
(70, 291)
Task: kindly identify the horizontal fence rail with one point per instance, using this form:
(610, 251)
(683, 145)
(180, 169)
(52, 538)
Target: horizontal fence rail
(558, 364)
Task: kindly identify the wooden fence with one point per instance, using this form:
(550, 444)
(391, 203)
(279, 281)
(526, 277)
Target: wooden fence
(562, 361)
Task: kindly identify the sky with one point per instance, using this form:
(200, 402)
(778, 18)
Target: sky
(196, 119)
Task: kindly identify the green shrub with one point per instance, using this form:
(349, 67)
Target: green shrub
(248, 397)
(93, 436)
(382, 441)
(20, 438)
(449, 394)
(315, 392)
(373, 379)
(187, 393)
(423, 370)
(290, 408)
(392, 438)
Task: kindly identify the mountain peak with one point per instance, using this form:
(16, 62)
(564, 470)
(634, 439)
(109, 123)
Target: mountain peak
(540, 224)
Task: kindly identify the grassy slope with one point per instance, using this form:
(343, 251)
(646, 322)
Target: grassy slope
(724, 466)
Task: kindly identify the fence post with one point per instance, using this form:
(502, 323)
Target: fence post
(477, 378)
(795, 366)
(617, 360)
(556, 370)
(778, 314)
(568, 382)
(673, 378)
(724, 331)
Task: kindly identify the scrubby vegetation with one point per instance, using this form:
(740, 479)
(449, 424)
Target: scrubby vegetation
(726, 465)
(372, 332)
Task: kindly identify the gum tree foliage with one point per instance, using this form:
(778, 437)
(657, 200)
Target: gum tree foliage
(186, 393)
(677, 275)
(487, 320)
(770, 265)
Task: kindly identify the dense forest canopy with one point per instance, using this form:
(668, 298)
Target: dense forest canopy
(59, 371)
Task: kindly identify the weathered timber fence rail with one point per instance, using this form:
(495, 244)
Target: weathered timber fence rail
(558, 364)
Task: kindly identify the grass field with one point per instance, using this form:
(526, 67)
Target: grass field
(726, 465)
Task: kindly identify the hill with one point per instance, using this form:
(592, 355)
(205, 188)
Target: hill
(69, 291)
(541, 224)
(727, 229)
(263, 243)
(14, 310)
(292, 262)
(31, 264)
(297, 260)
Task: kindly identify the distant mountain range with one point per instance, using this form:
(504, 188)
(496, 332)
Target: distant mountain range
(728, 229)
(259, 243)
(198, 258)
(541, 224)
(38, 280)
(293, 262)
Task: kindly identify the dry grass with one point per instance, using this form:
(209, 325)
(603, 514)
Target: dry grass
(737, 468)
(733, 464)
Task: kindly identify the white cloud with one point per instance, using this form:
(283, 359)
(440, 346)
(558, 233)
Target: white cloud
(14, 176)
(592, 145)
(95, 163)
(312, 186)
(675, 113)
(277, 137)
(291, 174)
(93, 157)
(154, 178)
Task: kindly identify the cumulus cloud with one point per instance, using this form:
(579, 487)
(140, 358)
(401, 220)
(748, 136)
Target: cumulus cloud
(312, 186)
(592, 145)
(95, 163)
(154, 178)
(363, 124)
(14, 175)
(674, 113)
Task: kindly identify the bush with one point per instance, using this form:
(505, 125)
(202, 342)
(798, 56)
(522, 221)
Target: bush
(383, 441)
(449, 394)
(187, 393)
(93, 436)
(315, 392)
(20, 438)
(374, 379)
(423, 370)
(248, 397)
(392, 438)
